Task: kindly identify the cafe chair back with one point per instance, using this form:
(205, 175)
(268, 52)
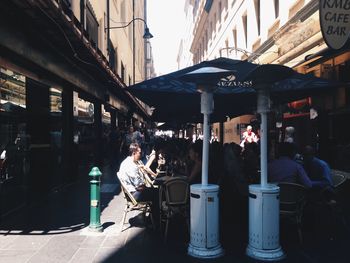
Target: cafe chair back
(335, 206)
(292, 202)
(131, 204)
(176, 191)
(338, 179)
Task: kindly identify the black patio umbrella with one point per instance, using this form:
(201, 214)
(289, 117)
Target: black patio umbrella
(236, 87)
(176, 99)
(177, 96)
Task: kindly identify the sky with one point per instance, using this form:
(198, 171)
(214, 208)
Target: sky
(166, 20)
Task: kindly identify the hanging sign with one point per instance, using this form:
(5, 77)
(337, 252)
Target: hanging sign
(335, 22)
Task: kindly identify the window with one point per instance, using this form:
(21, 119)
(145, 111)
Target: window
(257, 14)
(234, 32)
(55, 99)
(215, 21)
(122, 71)
(195, 8)
(208, 5)
(82, 12)
(244, 21)
(233, 3)
(112, 55)
(12, 90)
(130, 34)
(91, 25)
(227, 48)
(204, 46)
(277, 8)
(122, 11)
(116, 60)
(101, 35)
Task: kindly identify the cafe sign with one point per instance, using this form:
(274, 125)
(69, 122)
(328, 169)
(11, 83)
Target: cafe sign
(335, 22)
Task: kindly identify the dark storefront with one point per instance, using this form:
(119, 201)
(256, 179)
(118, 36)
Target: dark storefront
(55, 109)
(323, 119)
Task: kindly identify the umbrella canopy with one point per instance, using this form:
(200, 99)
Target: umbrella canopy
(176, 99)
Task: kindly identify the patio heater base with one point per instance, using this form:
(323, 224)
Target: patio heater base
(264, 223)
(204, 203)
(199, 252)
(265, 255)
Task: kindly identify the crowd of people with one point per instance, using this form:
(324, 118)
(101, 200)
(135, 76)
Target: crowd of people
(233, 166)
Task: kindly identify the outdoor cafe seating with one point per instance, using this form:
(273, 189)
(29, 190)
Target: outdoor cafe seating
(292, 202)
(325, 212)
(131, 204)
(333, 206)
(173, 201)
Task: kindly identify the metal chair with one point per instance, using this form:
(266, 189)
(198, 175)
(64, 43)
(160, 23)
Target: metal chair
(176, 191)
(132, 204)
(338, 179)
(292, 202)
(333, 205)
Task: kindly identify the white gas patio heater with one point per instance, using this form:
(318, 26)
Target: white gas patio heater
(204, 201)
(264, 199)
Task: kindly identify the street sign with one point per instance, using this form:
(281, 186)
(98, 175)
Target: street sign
(335, 22)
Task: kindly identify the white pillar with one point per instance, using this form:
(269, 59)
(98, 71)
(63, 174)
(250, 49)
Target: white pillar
(204, 201)
(207, 105)
(264, 200)
(263, 108)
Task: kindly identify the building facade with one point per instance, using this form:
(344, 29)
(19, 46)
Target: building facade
(279, 32)
(62, 79)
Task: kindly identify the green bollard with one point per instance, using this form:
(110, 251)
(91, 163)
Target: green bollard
(95, 211)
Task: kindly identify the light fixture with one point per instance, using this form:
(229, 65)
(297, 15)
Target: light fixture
(146, 35)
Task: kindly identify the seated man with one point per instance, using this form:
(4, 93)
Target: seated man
(319, 172)
(134, 180)
(285, 169)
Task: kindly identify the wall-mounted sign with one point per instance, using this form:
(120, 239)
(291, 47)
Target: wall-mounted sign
(335, 22)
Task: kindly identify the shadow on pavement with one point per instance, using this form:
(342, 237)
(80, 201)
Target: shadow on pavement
(63, 211)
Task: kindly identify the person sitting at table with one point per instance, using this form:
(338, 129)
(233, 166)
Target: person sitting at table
(251, 162)
(194, 168)
(285, 169)
(131, 174)
(320, 174)
(156, 162)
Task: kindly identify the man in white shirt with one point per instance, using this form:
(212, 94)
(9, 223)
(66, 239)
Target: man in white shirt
(248, 136)
(132, 177)
(129, 170)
